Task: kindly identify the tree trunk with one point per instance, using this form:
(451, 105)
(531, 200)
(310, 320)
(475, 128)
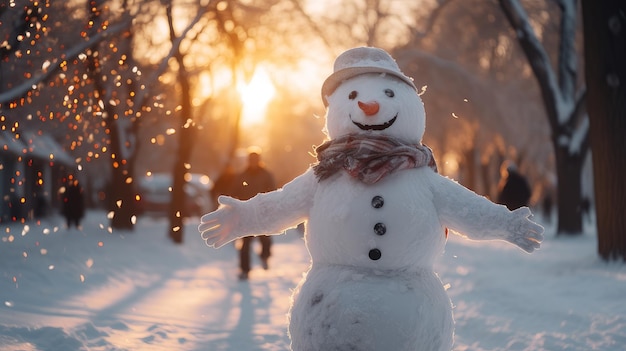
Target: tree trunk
(569, 199)
(556, 96)
(470, 178)
(486, 180)
(121, 197)
(122, 193)
(178, 210)
(605, 55)
(186, 138)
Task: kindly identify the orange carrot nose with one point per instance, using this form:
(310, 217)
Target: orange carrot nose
(370, 108)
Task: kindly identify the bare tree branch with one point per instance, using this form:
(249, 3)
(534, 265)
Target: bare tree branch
(73, 52)
(313, 24)
(565, 110)
(432, 19)
(567, 52)
(538, 60)
(580, 116)
(164, 64)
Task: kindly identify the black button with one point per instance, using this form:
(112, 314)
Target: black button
(375, 254)
(378, 201)
(380, 228)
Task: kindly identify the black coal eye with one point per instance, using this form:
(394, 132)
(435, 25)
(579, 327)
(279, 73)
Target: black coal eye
(389, 92)
(352, 95)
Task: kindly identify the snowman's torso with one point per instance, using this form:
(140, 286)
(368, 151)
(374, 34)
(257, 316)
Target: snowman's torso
(371, 285)
(389, 225)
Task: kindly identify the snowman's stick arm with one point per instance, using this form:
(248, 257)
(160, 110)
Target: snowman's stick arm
(267, 213)
(284, 208)
(477, 218)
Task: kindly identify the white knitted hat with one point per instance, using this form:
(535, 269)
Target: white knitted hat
(358, 61)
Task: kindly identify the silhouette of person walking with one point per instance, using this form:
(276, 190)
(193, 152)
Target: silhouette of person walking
(514, 191)
(224, 184)
(253, 180)
(73, 203)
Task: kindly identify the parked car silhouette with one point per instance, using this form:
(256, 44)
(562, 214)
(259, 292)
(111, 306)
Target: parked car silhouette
(156, 194)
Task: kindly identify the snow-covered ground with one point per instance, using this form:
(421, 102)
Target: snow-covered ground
(93, 289)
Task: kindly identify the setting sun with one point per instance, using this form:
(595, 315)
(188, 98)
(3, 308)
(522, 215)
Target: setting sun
(255, 96)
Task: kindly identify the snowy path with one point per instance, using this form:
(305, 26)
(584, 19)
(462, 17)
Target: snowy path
(93, 290)
(562, 297)
(134, 291)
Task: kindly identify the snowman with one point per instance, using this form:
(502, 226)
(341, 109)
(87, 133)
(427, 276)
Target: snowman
(376, 213)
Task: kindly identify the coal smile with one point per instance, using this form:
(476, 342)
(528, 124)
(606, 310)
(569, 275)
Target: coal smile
(375, 126)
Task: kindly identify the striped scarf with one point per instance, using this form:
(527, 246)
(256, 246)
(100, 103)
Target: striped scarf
(370, 158)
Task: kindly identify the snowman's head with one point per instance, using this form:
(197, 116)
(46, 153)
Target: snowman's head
(367, 93)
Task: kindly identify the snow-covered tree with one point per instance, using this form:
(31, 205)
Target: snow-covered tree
(187, 132)
(113, 88)
(481, 98)
(87, 79)
(564, 103)
(57, 48)
(605, 72)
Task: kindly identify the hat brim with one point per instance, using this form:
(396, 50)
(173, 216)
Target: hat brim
(334, 80)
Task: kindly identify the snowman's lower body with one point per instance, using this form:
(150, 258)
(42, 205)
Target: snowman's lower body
(347, 308)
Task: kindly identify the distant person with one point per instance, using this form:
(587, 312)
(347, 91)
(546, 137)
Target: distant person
(40, 204)
(253, 180)
(514, 191)
(224, 184)
(73, 203)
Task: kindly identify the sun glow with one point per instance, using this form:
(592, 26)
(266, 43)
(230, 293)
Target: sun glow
(256, 95)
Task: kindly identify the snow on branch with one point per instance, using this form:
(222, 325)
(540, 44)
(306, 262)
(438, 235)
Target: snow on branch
(567, 51)
(559, 107)
(579, 138)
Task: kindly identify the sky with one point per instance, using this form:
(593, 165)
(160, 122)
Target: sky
(98, 289)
